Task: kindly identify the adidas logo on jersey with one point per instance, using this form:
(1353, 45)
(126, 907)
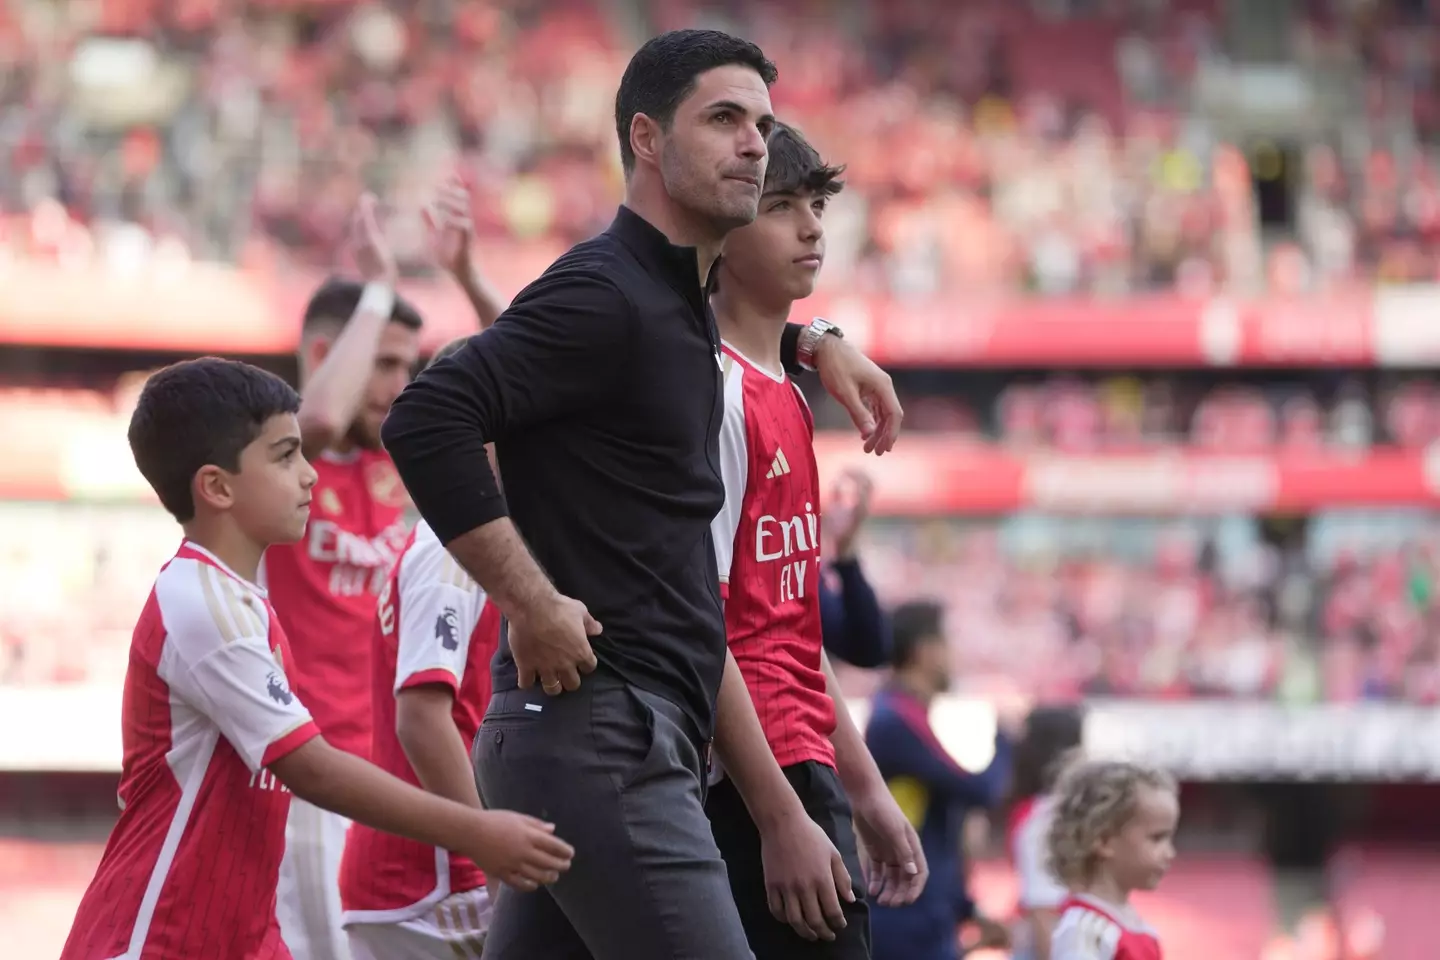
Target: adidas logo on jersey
(779, 466)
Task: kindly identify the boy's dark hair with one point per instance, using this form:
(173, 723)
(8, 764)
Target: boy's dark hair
(913, 625)
(795, 166)
(200, 412)
(336, 300)
(1050, 734)
(663, 72)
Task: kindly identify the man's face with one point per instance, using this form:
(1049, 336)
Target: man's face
(934, 658)
(712, 158)
(395, 358)
(778, 256)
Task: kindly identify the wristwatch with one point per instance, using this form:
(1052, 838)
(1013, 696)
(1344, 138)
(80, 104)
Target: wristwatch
(810, 338)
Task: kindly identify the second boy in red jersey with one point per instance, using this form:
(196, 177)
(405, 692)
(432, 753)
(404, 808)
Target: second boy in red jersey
(359, 344)
(435, 632)
(767, 544)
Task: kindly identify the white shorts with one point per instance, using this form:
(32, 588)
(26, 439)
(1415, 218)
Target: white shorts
(454, 930)
(308, 899)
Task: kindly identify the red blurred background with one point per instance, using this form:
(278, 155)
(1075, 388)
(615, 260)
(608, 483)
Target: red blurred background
(1155, 279)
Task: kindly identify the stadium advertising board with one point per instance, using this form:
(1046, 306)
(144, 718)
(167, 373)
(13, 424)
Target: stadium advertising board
(75, 728)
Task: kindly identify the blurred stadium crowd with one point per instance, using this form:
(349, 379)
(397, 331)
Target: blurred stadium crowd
(1037, 146)
(1045, 605)
(996, 149)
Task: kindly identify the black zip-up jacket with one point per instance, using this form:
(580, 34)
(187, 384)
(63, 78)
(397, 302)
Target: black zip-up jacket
(601, 388)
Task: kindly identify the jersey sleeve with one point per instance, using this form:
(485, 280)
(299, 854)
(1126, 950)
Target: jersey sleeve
(1039, 889)
(734, 470)
(439, 607)
(217, 658)
(1083, 935)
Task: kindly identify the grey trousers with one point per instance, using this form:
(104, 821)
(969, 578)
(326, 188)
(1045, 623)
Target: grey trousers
(618, 773)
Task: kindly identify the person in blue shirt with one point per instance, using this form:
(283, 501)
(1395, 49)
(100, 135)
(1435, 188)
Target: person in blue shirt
(933, 790)
(853, 625)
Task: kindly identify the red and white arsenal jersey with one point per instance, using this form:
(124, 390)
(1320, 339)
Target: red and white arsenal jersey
(767, 544)
(192, 866)
(1090, 929)
(325, 588)
(433, 626)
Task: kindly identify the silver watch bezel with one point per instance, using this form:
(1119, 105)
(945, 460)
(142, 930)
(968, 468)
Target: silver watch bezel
(810, 338)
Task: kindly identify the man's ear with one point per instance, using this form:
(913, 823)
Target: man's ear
(645, 139)
(314, 348)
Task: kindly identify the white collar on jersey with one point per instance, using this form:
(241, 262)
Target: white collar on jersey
(777, 377)
(192, 545)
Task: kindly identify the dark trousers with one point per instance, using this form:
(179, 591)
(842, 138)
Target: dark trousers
(818, 788)
(619, 772)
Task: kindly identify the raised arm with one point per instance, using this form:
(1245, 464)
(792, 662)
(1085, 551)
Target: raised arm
(335, 388)
(451, 224)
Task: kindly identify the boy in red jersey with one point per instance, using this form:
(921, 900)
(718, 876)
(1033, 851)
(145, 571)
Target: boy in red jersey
(767, 545)
(358, 348)
(215, 740)
(435, 633)
(1112, 832)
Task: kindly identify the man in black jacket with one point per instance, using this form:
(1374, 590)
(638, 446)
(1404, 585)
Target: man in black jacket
(600, 387)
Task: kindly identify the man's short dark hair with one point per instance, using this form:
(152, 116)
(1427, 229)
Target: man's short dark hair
(201, 412)
(913, 625)
(795, 166)
(336, 300)
(664, 72)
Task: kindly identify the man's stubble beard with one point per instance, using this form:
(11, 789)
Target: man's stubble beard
(692, 190)
(363, 438)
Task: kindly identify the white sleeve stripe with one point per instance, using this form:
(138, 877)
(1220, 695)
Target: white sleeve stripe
(427, 561)
(734, 468)
(232, 614)
(216, 658)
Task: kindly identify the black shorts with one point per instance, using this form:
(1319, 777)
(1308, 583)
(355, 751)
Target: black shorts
(818, 788)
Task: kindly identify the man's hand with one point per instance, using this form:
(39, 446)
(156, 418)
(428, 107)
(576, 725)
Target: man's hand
(368, 246)
(894, 861)
(848, 510)
(863, 389)
(805, 879)
(551, 642)
(450, 225)
(519, 850)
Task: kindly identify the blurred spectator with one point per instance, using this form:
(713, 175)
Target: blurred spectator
(855, 628)
(1028, 145)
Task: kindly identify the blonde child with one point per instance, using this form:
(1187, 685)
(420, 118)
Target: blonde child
(1112, 833)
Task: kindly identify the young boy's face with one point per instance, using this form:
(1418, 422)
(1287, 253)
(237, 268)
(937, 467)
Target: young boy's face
(271, 492)
(778, 256)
